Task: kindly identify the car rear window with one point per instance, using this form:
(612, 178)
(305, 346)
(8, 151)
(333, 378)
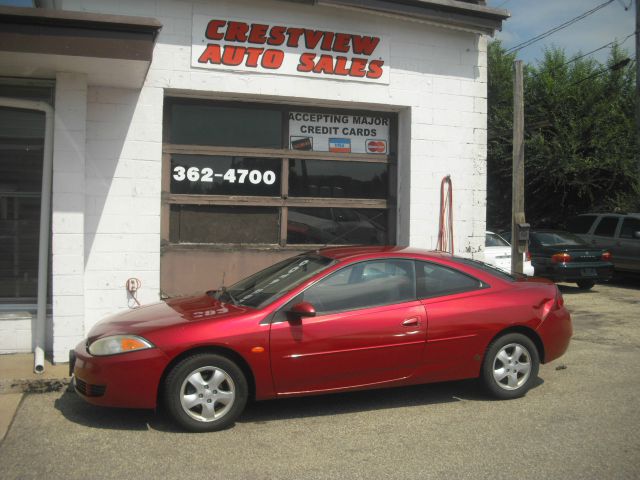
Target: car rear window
(494, 240)
(629, 226)
(436, 281)
(581, 224)
(606, 227)
(550, 239)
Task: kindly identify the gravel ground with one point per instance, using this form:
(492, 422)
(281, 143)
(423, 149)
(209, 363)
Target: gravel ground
(580, 422)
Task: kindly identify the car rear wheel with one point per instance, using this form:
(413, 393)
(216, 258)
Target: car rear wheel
(205, 392)
(585, 284)
(510, 366)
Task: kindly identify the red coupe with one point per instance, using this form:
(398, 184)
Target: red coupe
(332, 320)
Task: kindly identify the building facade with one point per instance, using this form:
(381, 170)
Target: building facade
(197, 141)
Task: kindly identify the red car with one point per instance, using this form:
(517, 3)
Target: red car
(332, 320)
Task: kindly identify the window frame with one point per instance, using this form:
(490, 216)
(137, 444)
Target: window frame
(482, 284)
(299, 297)
(602, 220)
(283, 201)
(622, 225)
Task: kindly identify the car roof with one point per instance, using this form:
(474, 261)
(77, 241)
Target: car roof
(355, 252)
(630, 214)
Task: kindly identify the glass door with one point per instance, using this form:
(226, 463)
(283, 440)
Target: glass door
(21, 159)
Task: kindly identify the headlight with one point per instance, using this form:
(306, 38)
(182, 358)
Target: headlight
(118, 344)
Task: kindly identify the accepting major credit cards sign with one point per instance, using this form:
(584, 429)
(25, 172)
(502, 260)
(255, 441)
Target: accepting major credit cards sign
(339, 133)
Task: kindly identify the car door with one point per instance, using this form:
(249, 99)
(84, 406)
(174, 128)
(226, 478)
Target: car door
(369, 328)
(628, 254)
(460, 321)
(604, 234)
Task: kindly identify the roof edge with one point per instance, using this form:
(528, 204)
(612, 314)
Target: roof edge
(66, 18)
(452, 13)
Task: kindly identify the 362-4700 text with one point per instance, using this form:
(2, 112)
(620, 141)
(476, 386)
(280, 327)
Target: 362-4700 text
(233, 175)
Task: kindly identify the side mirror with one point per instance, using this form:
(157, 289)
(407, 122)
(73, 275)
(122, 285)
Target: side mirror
(302, 309)
(636, 235)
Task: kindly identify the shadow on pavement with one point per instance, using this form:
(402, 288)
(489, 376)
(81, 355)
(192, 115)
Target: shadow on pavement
(76, 410)
(625, 281)
(80, 412)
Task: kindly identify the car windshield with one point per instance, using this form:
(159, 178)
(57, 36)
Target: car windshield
(550, 239)
(265, 286)
(495, 240)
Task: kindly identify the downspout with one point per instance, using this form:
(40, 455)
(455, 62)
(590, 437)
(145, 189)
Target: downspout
(45, 215)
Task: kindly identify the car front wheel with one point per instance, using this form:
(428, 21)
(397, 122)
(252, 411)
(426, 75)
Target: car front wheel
(205, 392)
(510, 366)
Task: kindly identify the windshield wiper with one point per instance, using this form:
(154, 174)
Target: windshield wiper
(225, 292)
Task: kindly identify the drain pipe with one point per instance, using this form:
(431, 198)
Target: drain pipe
(45, 216)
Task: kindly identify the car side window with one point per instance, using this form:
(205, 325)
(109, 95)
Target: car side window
(581, 224)
(629, 227)
(606, 227)
(363, 285)
(435, 281)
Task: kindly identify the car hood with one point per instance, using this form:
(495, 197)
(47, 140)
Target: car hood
(166, 314)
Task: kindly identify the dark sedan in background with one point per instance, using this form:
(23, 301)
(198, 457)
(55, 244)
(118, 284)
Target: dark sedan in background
(565, 257)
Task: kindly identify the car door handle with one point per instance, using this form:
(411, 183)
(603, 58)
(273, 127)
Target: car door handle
(411, 322)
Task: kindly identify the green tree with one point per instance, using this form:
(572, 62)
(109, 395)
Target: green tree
(579, 137)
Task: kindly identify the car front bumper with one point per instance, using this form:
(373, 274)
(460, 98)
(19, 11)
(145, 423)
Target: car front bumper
(127, 380)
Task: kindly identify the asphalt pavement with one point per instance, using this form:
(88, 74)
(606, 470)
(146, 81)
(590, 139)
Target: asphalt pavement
(580, 422)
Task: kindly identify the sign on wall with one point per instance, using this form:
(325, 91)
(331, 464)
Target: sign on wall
(250, 46)
(343, 133)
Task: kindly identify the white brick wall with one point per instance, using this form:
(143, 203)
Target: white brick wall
(123, 174)
(68, 212)
(107, 177)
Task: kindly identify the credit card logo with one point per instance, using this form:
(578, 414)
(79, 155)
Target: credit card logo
(376, 146)
(340, 145)
(301, 143)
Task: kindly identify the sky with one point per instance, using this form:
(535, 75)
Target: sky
(532, 17)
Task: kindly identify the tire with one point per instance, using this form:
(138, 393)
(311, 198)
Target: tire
(586, 284)
(205, 392)
(510, 366)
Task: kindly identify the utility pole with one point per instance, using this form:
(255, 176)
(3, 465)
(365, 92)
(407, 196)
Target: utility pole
(638, 87)
(517, 185)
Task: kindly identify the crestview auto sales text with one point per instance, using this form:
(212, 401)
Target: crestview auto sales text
(346, 54)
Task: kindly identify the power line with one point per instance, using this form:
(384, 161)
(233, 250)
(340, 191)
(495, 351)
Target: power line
(596, 50)
(539, 37)
(616, 66)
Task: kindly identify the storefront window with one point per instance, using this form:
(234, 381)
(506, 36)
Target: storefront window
(338, 179)
(207, 124)
(224, 224)
(335, 226)
(224, 175)
(275, 175)
(21, 155)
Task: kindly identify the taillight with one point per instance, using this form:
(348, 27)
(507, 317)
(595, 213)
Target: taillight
(527, 256)
(606, 257)
(561, 258)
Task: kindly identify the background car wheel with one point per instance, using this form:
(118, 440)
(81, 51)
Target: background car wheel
(510, 366)
(585, 284)
(205, 392)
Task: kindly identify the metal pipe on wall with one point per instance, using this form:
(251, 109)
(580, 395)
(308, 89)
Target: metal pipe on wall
(45, 216)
